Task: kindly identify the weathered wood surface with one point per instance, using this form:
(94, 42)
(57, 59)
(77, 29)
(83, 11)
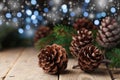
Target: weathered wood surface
(22, 64)
(7, 59)
(77, 74)
(27, 68)
(116, 73)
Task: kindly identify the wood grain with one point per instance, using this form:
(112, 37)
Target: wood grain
(22, 64)
(27, 68)
(116, 73)
(7, 60)
(77, 74)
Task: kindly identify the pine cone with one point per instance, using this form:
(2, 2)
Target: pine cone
(109, 33)
(90, 58)
(84, 23)
(53, 59)
(83, 38)
(41, 33)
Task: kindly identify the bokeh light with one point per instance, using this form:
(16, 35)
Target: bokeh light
(103, 14)
(36, 13)
(27, 27)
(85, 14)
(20, 30)
(28, 20)
(87, 1)
(40, 18)
(15, 20)
(35, 21)
(19, 14)
(97, 22)
(1, 22)
(46, 10)
(72, 14)
(28, 12)
(113, 10)
(33, 17)
(33, 2)
(8, 15)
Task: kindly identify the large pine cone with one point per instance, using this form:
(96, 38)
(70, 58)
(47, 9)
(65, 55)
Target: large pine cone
(41, 32)
(84, 23)
(109, 33)
(53, 59)
(83, 38)
(90, 58)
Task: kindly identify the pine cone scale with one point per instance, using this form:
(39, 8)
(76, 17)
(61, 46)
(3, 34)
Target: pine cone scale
(84, 23)
(83, 38)
(53, 59)
(90, 58)
(109, 33)
(41, 32)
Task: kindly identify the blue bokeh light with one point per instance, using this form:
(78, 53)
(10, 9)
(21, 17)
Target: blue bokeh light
(15, 20)
(40, 18)
(36, 13)
(28, 12)
(64, 6)
(27, 27)
(98, 15)
(20, 30)
(8, 15)
(72, 14)
(87, 1)
(85, 14)
(51, 3)
(35, 21)
(46, 10)
(113, 10)
(103, 14)
(33, 17)
(33, 2)
(1, 22)
(97, 22)
(28, 20)
(19, 14)
(65, 10)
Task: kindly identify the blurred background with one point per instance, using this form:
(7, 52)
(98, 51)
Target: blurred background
(19, 19)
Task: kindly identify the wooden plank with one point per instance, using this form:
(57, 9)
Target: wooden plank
(7, 60)
(116, 73)
(27, 68)
(77, 74)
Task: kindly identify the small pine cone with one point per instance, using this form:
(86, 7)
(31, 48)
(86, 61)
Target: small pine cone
(41, 33)
(90, 58)
(83, 38)
(84, 23)
(109, 33)
(53, 59)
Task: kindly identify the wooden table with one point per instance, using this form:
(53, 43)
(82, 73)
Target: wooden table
(22, 64)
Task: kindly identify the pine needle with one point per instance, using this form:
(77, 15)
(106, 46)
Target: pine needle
(114, 56)
(61, 35)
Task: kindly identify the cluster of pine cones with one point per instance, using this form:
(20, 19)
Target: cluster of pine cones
(89, 56)
(53, 59)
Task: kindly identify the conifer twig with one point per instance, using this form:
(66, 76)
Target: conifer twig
(107, 66)
(76, 66)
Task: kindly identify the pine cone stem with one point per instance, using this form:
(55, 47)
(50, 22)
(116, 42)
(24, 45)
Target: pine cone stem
(75, 67)
(106, 61)
(107, 66)
(109, 71)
